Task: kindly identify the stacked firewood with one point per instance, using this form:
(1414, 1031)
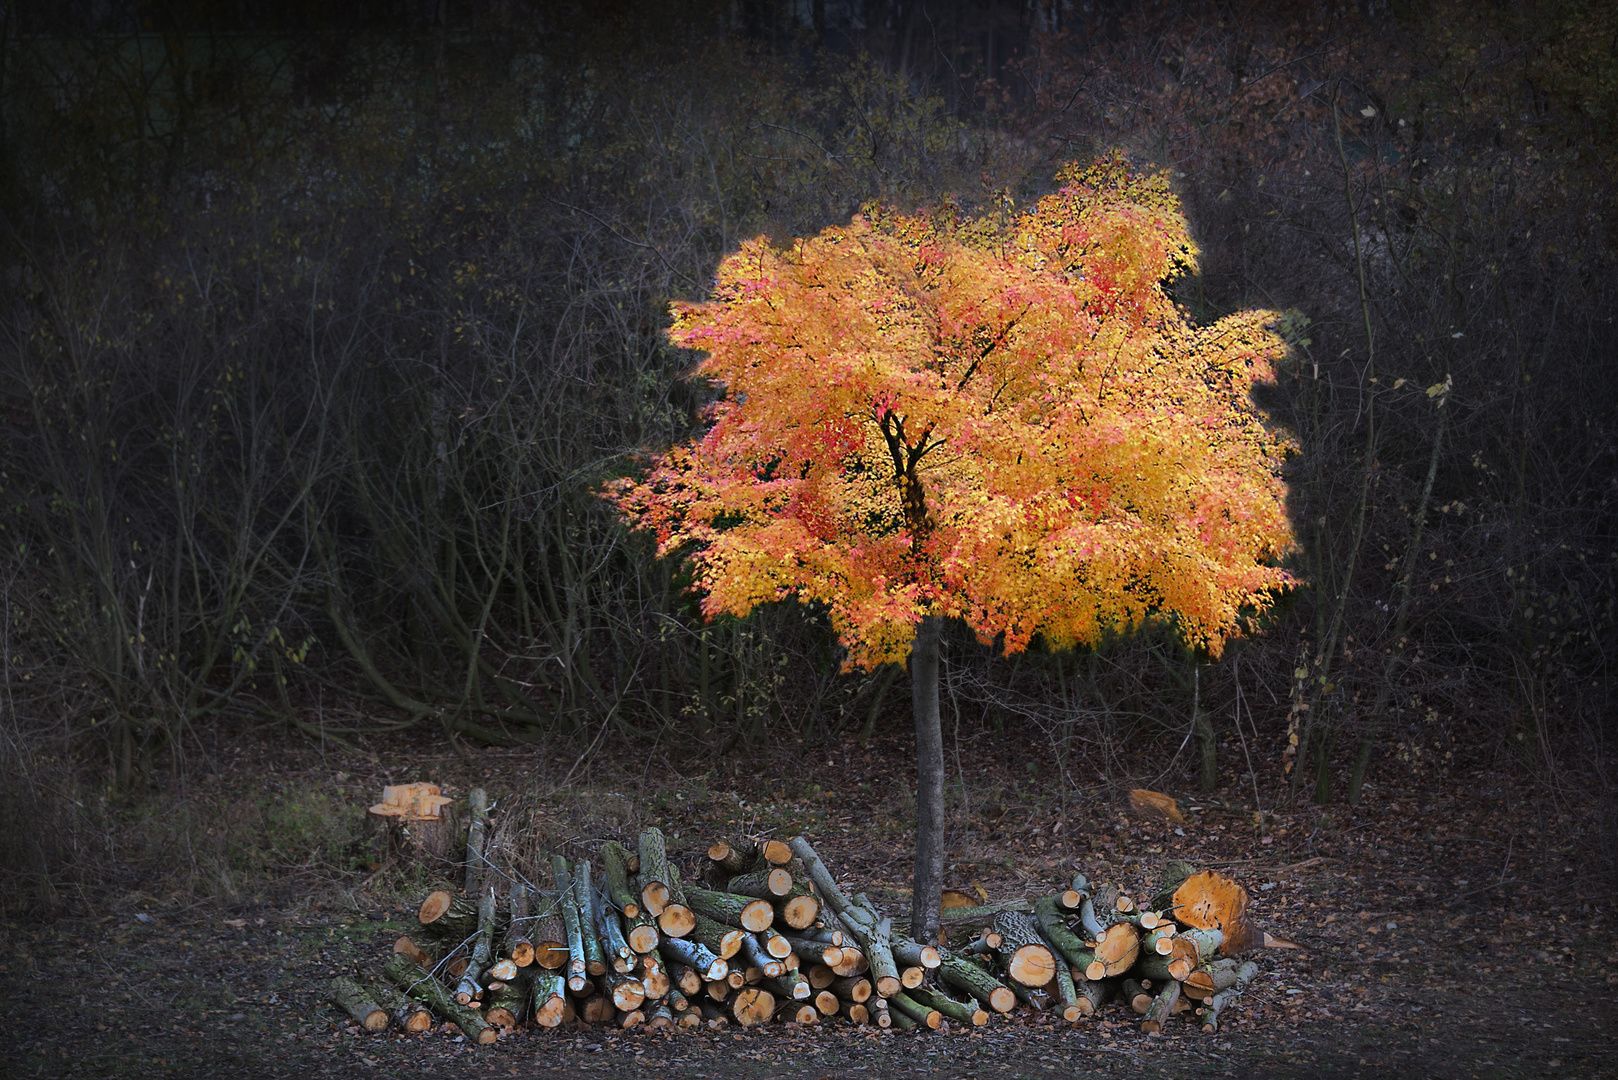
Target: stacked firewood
(767, 933)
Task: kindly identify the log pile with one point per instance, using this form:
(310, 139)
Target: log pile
(764, 932)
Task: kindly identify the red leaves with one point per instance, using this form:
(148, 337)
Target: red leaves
(1009, 423)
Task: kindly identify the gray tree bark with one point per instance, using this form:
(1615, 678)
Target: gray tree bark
(928, 886)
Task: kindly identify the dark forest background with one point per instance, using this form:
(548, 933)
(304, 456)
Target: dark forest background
(322, 325)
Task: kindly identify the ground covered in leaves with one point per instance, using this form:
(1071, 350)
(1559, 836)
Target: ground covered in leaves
(1446, 936)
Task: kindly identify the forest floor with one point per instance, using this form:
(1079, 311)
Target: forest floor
(1445, 934)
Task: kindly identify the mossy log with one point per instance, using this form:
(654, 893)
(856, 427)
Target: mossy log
(1136, 996)
(789, 986)
(1053, 927)
(1094, 995)
(965, 975)
(747, 912)
(1206, 982)
(358, 1004)
(718, 938)
(1067, 995)
(654, 873)
(505, 1004)
(420, 984)
(914, 954)
(609, 927)
(448, 916)
(616, 878)
(958, 1011)
(595, 955)
(768, 884)
(407, 1015)
(1163, 968)
(549, 932)
(925, 1015)
(1173, 875)
(1161, 1008)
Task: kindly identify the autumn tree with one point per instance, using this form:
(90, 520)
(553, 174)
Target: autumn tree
(1004, 420)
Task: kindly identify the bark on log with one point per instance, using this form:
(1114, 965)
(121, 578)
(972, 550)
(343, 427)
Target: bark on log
(922, 1014)
(616, 875)
(965, 975)
(692, 952)
(853, 987)
(956, 1010)
(577, 972)
(595, 956)
(753, 952)
(626, 991)
(685, 978)
(505, 1004)
(1137, 996)
(1173, 875)
(729, 860)
(549, 932)
(881, 1015)
(548, 997)
(856, 1011)
(731, 909)
(407, 1015)
(419, 984)
(1023, 953)
(517, 944)
(469, 989)
(1164, 968)
(770, 884)
(789, 986)
(1217, 976)
(1067, 995)
(815, 952)
(1053, 925)
(1093, 995)
(477, 833)
(449, 917)
(721, 940)
(358, 1004)
(913, 954)
(654, 976)
(1161, 1008)
(654, 871)
(884, 971)
(416, 953)
(1217, 1005)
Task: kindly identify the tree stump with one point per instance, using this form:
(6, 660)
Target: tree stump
(418, 832)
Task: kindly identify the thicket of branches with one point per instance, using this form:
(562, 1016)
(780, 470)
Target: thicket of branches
(318, 339)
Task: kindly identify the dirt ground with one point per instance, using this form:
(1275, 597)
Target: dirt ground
(1444, 938)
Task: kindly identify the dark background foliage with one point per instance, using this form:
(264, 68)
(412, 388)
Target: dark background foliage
(321, 326)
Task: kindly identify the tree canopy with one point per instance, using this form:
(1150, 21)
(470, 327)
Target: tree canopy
(1004, 419)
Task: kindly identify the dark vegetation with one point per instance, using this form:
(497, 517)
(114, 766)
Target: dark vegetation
(321, 327)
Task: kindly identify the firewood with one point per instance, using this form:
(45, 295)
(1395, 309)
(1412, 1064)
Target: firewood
(922, 1014)
(1208, 900)
(1093, 995)
(548, 995)
(407, 1015)
(691, 952)
(826, 1003)
(820, 976)
(856, 1011)
(417, 954)
(358, 1004)
(420, 984)
(626, 991)
(468, 989)
(881, 1015)
(598, 1009)
(1067, 996)
(764, 884)
(717, 989)
(852, 962)
(631, 1019)
(476, 863)
(448, 916)
(1137, 996)
(577, 972)
(616, 879)
(913, 954)
(549, 932)
(752, 1006)
(595, 956)
(1161, 1008)
(504, 969)
(506, 1006)
(654, 977)
(609, 928)
(964, 975)
(1054, 929)
(1115, 951)
(754, 953)
(517, 945)
(1159, 941)
(911, 977)
(1217, 976)
(853, 987)
(816, 952)
(948, 1006)
(685, 979)
(1172, 876)
(654, 871)
(1216, 1006)
(1161, 968)
(729, 860)
(986, 942)
(1022, 950)
(733, 910)
(719, 939)
(789, 986)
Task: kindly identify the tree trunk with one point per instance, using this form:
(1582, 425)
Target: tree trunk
(358, 1004)
(928, 885)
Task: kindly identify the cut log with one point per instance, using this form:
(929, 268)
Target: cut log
(616, 879)
(549, 932)
(753, 952)
(752, 1006)
(1067, 996)
(776, 945)
(610, 929)
(921, 1014)
(516, 944)
(1208, 900)
(654, 976)
(958, 1011)
(549, 997)
(654, 871)
(719, 939)
(1163, 968)
(416, 953)
(769, 884)
(730, 860)
(881, 1015)
(1159, 941)
(632, 1019)
(1137, 996)
(1053, 926)
(912, 954)
(1217, 976)
(598, 1009)
(595, 956)
(1093, 995)
(1216, 1006)
(1161, 1008)
(856, 1011)
(911, 977)
(815, 952)
(358, 1004)
(626, 991)
(965, 975)
(469, 989)
(853, 987)
(1023, 953)
(798, 910)
(661, 1016)
(884, 972)
(419, 984)
(449, 917)
(696, 955)
(1115, 951)
(577, 971)
(1173, 875)
(1155, 806)
(733, 910)
(505, 1005)
(477, 866)
(852, 962)
(789, 986)
(1205, 943)
(718, 990)
(419, 832)
(407, 1015)
(826, 1003)
(685, 978)
(504, 969)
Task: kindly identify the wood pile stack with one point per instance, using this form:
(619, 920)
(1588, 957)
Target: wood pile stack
(766, 933)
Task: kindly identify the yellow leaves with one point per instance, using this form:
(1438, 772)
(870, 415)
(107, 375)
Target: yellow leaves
(1076, 457)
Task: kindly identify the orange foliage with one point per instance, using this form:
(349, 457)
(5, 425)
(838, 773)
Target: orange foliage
(1004, 420)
